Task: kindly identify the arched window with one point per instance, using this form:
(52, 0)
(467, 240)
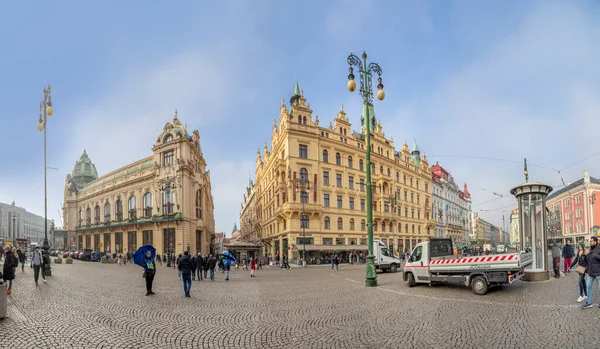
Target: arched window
(338, 159)
(404, 179)
(362, 225)
(419, 229)
(373, 168)
(97, 214)
(299, 119)
(350, 161)
(413, 228)
(304, 120)
(325, 156)
(80, 217)
(303, 174)
(147, 204)
(389, 173)
(168, 138)
(88, 216)
(399, 228)
(397, 177)
(119, 210)
(391, 227)
(167, 201)
(360, 165)
(351, 223)
(327, 223)
(340, 223)
(374, 226)
(132, 207)
(411, 182)
(381, 169)
(199, 204)
(304, 222)
(107, 212)
(417, 184)
(406, 228)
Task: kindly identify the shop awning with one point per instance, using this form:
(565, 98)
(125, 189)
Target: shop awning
(326, 248)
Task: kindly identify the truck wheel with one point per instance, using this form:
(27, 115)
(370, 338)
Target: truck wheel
(411, 280)
(393, 268)
(479, 285)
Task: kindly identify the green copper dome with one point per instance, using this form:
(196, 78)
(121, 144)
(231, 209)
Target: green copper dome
(84, 171)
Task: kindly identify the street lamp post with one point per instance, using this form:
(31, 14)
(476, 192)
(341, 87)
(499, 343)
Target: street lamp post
(366, 92)
(45, 111)
(166, 186)
(302, 185)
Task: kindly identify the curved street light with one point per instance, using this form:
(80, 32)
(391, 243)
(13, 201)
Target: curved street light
(366, 75)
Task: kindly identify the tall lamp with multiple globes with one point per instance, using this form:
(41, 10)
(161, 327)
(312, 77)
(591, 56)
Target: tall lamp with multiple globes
(45, 111)
(366, 92)
(302, 185)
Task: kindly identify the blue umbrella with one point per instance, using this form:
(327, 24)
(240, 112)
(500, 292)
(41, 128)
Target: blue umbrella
(140, 254)
(229, 256)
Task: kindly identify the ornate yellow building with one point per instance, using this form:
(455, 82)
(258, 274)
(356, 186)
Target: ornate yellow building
(164, 200)
(332, 159)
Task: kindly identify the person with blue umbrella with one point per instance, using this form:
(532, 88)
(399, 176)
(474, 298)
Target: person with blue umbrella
(227, 258)
(144, 257)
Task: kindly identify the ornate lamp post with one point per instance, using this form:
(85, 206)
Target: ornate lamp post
(302, 185)
(366, 92)
(45, 111)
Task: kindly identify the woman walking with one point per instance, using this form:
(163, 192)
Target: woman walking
(252, 266)
(10, 264)
(581, 260)
(149, 272)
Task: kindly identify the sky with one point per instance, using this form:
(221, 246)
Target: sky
(479, 84)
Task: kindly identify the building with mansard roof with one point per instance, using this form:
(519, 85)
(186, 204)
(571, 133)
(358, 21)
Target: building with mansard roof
(451, 207)
(328, 214)
(164, 200)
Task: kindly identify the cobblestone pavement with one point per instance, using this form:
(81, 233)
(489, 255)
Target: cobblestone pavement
(93, 305)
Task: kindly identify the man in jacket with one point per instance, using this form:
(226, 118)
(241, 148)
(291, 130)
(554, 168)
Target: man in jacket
(556, 260)
(199, 265)
(568, 252)
(593, 270)
(185, 267)
(37, 261)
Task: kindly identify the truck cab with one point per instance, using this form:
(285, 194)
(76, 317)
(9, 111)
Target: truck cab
(384, 259)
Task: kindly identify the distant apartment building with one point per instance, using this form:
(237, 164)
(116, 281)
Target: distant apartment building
(17, 223)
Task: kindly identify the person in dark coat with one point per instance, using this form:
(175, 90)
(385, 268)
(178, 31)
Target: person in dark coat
(206, 265)
(194, 265)
(185, 267)
(581, 259)
(10, 264)
(199, 266)
(211, 264)
(149, 272)
(593, 270)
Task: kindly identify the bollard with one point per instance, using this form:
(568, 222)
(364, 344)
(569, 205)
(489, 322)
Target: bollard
(3, 300)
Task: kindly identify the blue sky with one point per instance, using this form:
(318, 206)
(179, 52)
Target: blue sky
(495, 79)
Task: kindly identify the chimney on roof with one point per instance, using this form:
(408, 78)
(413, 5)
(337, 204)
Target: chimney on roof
(586, 176)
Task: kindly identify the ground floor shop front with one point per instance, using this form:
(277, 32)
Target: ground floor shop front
(320, 248)
(175, 238)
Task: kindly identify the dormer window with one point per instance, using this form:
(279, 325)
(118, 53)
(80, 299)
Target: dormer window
(168, 138)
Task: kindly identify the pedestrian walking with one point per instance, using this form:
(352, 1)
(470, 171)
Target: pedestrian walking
(211, 263)
(185, 267)
(37, 261)
(177, 263)
(253, 267)
(556, 260)
(22, 259)
(199, 266)
(581, 260)
(336, 260)
(568, 252)
(593, 270)
(149, 272)
(227, 267)
(206, 265)
(10, 265)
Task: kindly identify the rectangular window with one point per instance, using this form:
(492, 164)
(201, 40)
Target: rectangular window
(326, 178)
(386, 207)
(362, 204)
(303, 241)
(362, 184)
(350, 182)
(168, 158)
(147, 237)
(339, 201)
(338, 180)
(352, 203)
(303, 150)
(340, 241)
(327, 241)
(326, 200)
(363, 241)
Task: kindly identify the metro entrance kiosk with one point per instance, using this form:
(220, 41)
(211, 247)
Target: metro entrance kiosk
(533, 224)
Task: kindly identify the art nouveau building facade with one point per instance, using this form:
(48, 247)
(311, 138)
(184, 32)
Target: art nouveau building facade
(451, 207)
(328, 214)
(164, 200)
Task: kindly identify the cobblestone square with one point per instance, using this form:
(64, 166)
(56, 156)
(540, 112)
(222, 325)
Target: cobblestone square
(94, 305)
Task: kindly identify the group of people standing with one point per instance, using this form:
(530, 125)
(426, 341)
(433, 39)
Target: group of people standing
(14, 256)
(588, 267)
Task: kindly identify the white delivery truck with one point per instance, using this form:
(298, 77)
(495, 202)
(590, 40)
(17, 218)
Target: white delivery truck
(384, 260)
(432, 261)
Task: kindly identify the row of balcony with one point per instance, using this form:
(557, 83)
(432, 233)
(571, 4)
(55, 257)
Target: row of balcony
(131, 220)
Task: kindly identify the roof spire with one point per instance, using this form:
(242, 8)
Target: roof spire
(297, 88)
(415, 147)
